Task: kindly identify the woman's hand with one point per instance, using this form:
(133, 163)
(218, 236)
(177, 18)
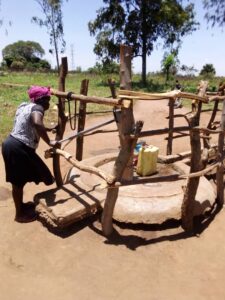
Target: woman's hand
(53, 143)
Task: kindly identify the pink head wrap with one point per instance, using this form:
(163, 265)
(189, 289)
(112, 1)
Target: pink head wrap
(37, 92)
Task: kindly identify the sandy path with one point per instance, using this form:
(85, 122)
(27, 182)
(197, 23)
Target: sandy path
(151, 262)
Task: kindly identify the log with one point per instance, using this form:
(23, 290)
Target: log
(196, 166)
(162, 131)
(112, 87)
(210, 123)
(118, 169)
(123, 166)
(110, 179)
(91, 99)
(15, 85)
(171, 125)
(202, 172)
(178, 136)
(81, 120)
(161, 96)
(220, 169)
(62, 119)
(192, 184)
(217, 98)
(127, 118)
(201, 90)
(206, 130)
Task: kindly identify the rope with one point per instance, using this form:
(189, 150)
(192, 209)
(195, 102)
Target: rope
(72, 124)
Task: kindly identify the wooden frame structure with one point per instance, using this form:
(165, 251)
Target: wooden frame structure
(130, 131)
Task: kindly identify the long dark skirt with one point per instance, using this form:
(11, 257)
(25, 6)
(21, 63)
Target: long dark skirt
(23, 165)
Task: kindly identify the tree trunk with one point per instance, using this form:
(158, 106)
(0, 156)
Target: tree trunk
(55, 41)
(144, 40)
(144, 61)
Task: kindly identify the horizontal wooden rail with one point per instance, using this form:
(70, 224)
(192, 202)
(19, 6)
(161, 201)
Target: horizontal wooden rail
(207, 130)
(217, 97)
(91, 99)
(126, 94)
(89, 169)
(202, 172)
(162, 131)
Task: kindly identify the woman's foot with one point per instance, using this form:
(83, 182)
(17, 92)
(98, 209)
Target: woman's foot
(28, 213)
(28, 205)
(25, 218)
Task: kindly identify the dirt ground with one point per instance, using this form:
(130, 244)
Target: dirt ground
(151, 262)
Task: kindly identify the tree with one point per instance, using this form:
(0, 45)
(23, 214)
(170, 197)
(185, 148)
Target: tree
(188, 70)
(140, 24)
(169, 64)
(215, 11)
(208, 70)
(52, 10)
(21, 54)
(9, 23)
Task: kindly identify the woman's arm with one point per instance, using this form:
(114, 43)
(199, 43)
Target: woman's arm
(37, 120)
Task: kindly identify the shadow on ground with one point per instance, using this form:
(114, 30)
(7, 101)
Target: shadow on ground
(134, 236)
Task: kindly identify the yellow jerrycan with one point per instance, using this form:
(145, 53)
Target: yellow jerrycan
(147, 160)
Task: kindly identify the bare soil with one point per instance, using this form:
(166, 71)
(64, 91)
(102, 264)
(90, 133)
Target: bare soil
(136, 262)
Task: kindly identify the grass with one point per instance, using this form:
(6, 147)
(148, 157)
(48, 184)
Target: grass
(11, 97)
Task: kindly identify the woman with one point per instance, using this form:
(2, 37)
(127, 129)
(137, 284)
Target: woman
(22, 164)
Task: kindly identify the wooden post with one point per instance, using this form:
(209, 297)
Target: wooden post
(127, 118)
(220, 168)
(62, 119)
(81, 119)
(118, 171)
(209, 126)
(112, 87)
(171, 126)
(187, 207)
(192, 183)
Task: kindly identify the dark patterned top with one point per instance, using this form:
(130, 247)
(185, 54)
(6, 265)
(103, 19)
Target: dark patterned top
(24, 129)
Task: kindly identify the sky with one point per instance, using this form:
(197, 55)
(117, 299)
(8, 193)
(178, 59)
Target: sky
(203, 46)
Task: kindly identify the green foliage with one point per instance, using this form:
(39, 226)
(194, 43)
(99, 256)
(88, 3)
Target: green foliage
(105, 68)
(215, 11)
(140, 24)
(52, 11)
(24, 55)
(24, 49)
(169, 65)
(11, 97)
(208, 71)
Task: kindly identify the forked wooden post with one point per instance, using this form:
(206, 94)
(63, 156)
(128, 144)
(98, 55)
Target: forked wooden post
(187, 207)
(220, 168)
(62, 119)
(81, 119)
(209, 126)
(126, 124)
(118, 170)
(123, 167)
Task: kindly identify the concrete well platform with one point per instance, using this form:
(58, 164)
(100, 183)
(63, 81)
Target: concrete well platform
(83, 194)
